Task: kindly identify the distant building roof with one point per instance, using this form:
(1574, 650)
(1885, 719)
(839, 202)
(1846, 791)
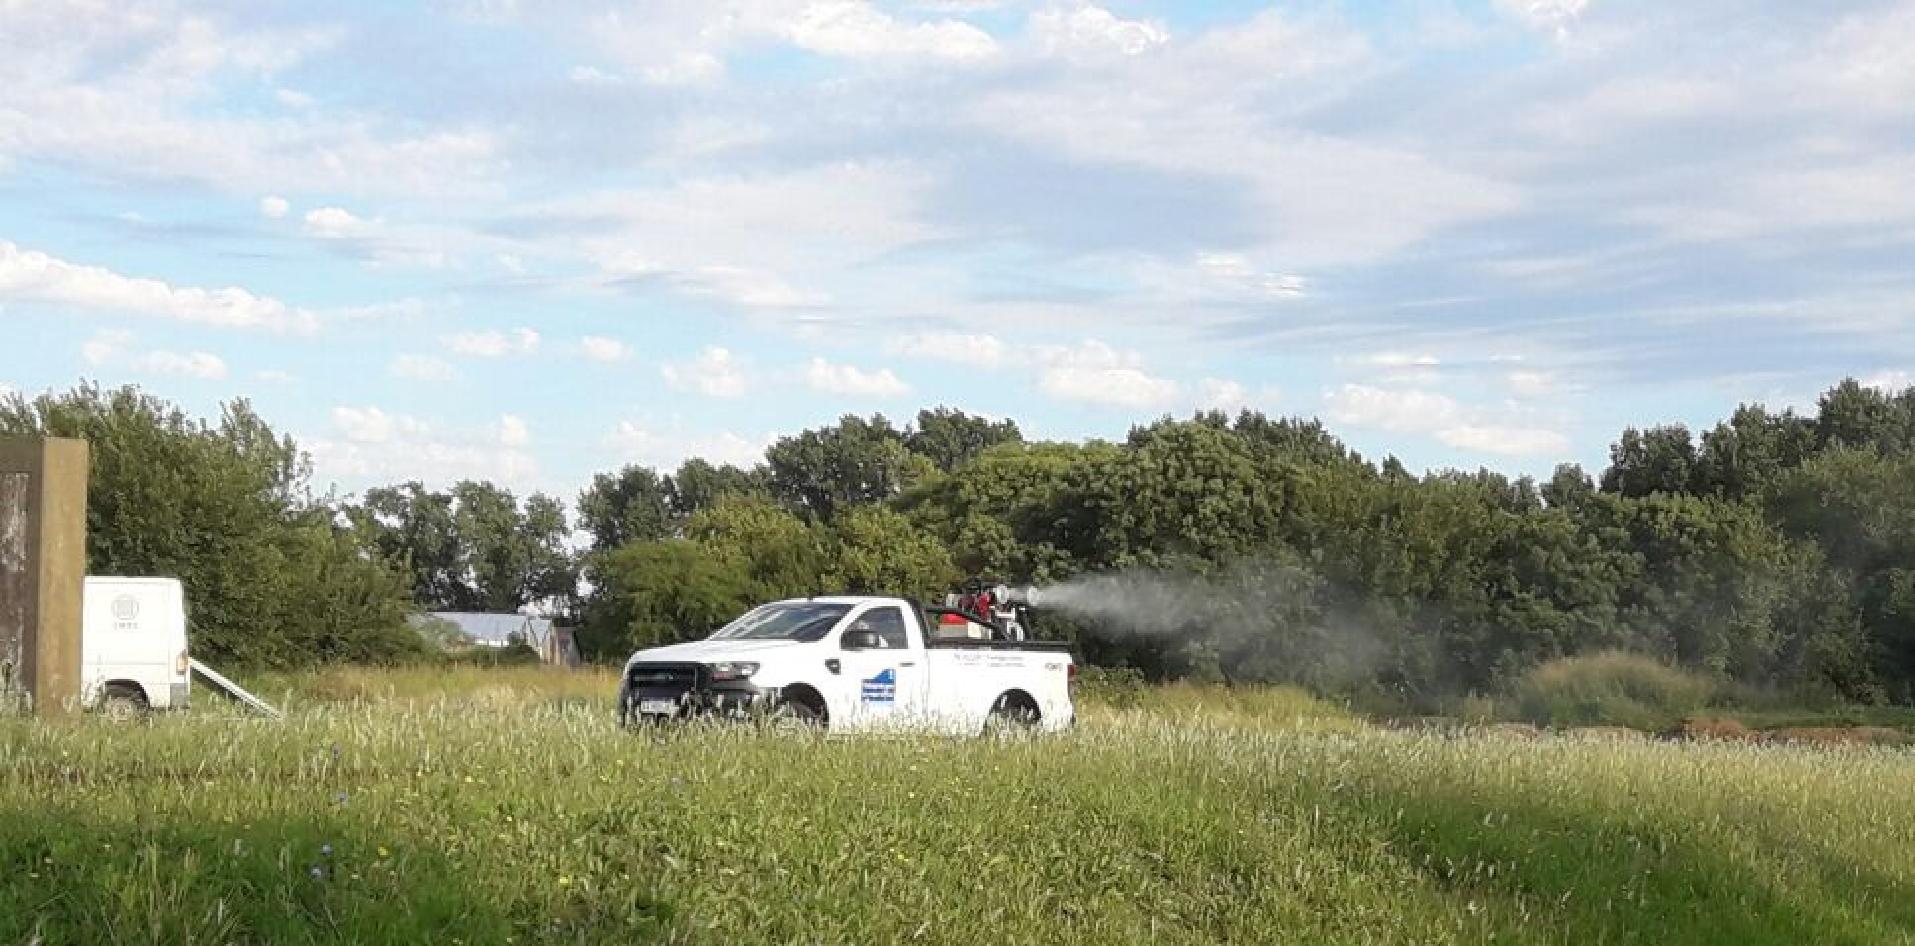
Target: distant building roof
(496, 630)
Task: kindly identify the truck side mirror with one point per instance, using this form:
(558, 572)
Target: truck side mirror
(860, 638)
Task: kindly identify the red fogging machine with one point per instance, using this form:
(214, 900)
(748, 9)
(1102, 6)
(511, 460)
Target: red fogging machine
(985, 610)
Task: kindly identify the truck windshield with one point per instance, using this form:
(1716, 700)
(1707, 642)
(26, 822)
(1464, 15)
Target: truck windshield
(794, 621)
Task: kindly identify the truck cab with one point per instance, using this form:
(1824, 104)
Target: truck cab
(851, 664)
(133, 655)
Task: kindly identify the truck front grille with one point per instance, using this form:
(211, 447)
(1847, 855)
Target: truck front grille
(673, 677)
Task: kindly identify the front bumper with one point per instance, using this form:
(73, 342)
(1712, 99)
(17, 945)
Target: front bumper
(657, 692)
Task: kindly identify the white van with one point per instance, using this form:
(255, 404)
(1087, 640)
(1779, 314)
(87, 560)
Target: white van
(133, 646)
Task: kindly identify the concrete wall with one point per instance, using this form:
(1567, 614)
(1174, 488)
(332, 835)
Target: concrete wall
(42, 571)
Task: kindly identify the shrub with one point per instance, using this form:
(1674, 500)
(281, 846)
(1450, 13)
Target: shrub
(1612, 688)
(1118, 687)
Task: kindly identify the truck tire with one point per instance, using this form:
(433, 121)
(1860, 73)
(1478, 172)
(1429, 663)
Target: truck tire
(123, 701)
(801, 714)
(1013, 713)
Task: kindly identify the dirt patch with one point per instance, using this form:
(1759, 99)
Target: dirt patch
(1514, 730)
(1841, 736)
(1604, 734)
(1710, 728)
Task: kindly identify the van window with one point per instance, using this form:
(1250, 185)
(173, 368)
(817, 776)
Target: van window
(888, 622)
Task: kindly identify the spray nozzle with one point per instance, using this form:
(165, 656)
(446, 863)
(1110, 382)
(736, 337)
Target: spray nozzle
(1024, 595)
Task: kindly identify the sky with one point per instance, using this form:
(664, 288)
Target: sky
(531, 241)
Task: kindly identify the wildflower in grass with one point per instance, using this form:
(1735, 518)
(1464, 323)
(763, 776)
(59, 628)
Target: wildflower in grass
(383, 852)
(315, 872)
(325, 850)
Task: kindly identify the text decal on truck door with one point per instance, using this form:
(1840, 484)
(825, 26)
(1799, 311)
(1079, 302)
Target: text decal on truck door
(882, 688)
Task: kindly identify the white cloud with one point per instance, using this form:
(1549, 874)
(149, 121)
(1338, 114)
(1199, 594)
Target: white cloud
(397, 309)
(592, 76)
(375, 426)
(638, 443)
(293, 98)
(513, 431)
(1095, 373)
(1890, 382)
(1412, 411)
(1204, 107)
(111, 347)
(859, 30)
(372, 445)
(1223, 394)
(742, 239)
(822, 375)
(34, 277)
(198, 364)
(422, 368)
(1554, 15)
(1509, 441)
(274, 376)
(134, 90)
(106, 345)
(1401, 359)
(274, 207)
(1237, 270)
(600, 348)
(333, 223)
(974, 349)
(1396, 410)
(716, 372)
(1532, 383)
(1091, 31)
(493, 343)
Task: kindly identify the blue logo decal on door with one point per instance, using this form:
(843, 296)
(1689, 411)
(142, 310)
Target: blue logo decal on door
(882, 688)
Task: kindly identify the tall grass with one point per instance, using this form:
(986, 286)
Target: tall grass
(516, 812)
(1611, 688)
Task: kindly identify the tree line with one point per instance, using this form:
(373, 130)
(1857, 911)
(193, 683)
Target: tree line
(1775, 549)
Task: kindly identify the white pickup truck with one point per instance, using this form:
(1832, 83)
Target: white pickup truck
(851, 664)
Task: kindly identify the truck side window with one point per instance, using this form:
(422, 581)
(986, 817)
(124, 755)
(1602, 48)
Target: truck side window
(889, 625)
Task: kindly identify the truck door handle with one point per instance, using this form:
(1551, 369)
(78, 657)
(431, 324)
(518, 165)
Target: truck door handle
(832, 664)
(907, 663)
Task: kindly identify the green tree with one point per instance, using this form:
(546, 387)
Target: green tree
(778, 554)
(950, 438)
(1745, 454)
(226, 509)
(633, 505)
(879, 551)
(855, 462)
(698, 485)
(1657, 460)
(472, 548)
(659, 592)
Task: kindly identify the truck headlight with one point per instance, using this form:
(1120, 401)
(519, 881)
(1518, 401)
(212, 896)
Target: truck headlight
(732, 670)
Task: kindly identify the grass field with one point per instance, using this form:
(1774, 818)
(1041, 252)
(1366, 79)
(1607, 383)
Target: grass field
(503, 806)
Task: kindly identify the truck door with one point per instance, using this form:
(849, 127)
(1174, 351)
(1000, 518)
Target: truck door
(889, 678)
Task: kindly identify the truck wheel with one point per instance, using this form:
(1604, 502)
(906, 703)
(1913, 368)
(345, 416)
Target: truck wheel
(1012, 714)
(122, 702)
(794, 716)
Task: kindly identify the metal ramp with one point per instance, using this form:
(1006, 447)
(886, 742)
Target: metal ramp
(234, 690)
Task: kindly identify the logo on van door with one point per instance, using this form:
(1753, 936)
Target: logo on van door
(882, 688)
(126, 613)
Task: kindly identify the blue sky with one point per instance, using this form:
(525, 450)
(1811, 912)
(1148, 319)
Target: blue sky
(532, 241)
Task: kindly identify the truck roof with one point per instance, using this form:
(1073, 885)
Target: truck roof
(849, 599)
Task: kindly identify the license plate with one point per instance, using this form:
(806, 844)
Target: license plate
(658, 706)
